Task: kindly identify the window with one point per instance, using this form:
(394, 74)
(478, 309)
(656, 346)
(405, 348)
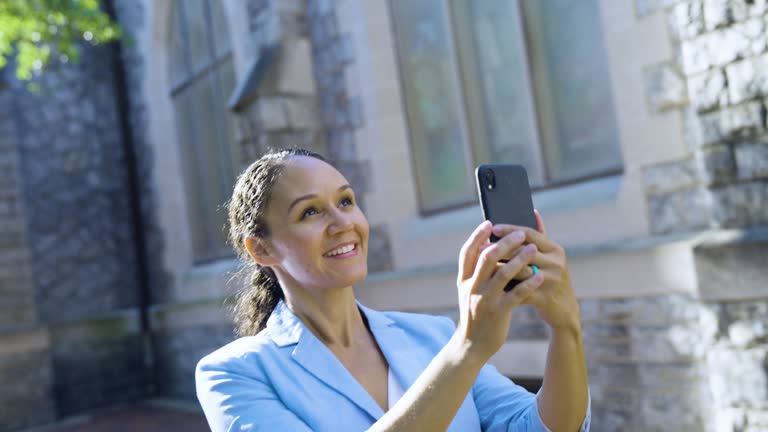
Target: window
(202, 77)
(504, 81)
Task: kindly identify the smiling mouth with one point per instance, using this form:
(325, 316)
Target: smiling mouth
(341, 250)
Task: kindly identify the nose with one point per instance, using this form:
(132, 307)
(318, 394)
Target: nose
(340, 222)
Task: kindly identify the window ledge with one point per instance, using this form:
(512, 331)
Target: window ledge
(580, 195)
(213, 269)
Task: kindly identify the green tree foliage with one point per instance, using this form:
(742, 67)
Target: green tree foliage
(37, 31)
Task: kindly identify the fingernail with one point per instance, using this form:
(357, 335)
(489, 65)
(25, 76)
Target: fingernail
(518, 235)
(530, 249)
(538, 277)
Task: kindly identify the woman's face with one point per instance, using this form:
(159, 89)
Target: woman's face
(318, 236)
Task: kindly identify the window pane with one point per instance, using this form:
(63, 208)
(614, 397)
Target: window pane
(219, 30)
(495, 76)
(432, 101)
(178, 67)
(215, 164)
(186, 121)
(226, 73)
(573, 87)
(197, 33)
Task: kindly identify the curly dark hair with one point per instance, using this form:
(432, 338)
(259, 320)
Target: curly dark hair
(246, 209)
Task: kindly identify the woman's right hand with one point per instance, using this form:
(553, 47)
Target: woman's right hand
(485, 308)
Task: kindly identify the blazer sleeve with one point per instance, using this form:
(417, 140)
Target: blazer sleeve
(235, 401)
(505, 406)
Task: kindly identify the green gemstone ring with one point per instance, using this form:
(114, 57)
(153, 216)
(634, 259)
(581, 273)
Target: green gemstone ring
(534, 268)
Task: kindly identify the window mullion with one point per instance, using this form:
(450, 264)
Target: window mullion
(469, 159)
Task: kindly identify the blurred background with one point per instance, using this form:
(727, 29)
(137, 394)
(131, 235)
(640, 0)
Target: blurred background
(642, 124)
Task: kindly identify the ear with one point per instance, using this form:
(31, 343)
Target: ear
(258, 251)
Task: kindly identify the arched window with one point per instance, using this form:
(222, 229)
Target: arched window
(202, 77)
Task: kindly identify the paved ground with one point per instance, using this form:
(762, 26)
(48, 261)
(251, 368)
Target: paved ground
(146, 417)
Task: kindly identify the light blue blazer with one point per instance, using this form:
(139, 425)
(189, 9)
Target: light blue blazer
(285, 379)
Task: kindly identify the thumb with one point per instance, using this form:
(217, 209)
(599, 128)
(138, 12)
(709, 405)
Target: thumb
(540, 222)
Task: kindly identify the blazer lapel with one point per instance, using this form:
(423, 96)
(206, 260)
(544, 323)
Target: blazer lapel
(286, 328)
(406, 358)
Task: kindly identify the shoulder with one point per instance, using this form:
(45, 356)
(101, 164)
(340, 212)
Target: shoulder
(241, 356)
(423, 326)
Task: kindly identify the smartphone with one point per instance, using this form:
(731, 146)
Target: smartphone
(505, 197)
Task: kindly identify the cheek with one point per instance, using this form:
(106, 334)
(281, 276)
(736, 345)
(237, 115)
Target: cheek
(362, 223)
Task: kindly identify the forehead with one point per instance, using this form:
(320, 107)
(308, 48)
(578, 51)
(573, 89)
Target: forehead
(302, 175)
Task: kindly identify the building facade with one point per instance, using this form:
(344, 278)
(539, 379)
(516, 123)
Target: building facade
(642, 125)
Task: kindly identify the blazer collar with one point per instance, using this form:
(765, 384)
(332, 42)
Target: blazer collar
(405, 357)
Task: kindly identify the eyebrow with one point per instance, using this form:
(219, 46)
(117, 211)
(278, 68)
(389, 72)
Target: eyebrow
(310, 196)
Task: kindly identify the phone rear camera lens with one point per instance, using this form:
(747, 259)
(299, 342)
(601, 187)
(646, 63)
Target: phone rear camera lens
(490, 179)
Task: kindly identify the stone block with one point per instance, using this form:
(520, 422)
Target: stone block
(732, 271)
(664, 87)
(719, 164)
(302, 113)
(680, 211)
(96, 367)
(752, 161)
(745, 385)
(670, 177)
(26, 399)
(741, 205)
(708, 90)
(747, 79)
(271, 114)
(686, 20)
(177, 352)
(380, 256)
(717, 14)
(295, 73)
(740, 121)
(723, 46)
(357, 172)
(527, 325)
(683, 409)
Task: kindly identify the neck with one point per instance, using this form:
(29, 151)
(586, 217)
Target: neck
(333, 315)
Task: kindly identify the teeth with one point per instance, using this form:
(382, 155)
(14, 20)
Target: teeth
(341, 250)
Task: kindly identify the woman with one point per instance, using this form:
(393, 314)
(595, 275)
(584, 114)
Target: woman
(313, 358)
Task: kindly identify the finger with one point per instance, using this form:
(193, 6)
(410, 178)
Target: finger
(486, 263)
(471, 249)
(540, 222)
(524, 273)
(511, 269)
(531, 236)
(546, 261)
(523, 291)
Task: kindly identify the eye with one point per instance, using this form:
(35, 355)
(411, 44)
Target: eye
(347, 202)
(310, 211)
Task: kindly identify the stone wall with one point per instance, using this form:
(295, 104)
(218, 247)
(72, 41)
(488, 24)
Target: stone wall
(76, 260)
(717, 82)
(25, 367)
(647, 363)
(341, 110)
(177, 352)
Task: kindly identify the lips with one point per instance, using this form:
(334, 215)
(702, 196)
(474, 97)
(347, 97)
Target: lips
(341, 249)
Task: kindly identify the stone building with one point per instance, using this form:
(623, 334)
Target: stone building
(643, 125)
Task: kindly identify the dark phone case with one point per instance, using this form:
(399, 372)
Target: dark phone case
(509, 201)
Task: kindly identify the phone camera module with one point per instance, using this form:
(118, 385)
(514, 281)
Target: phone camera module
(490, 179)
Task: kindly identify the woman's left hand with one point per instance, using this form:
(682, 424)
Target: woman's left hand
(554, 299)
